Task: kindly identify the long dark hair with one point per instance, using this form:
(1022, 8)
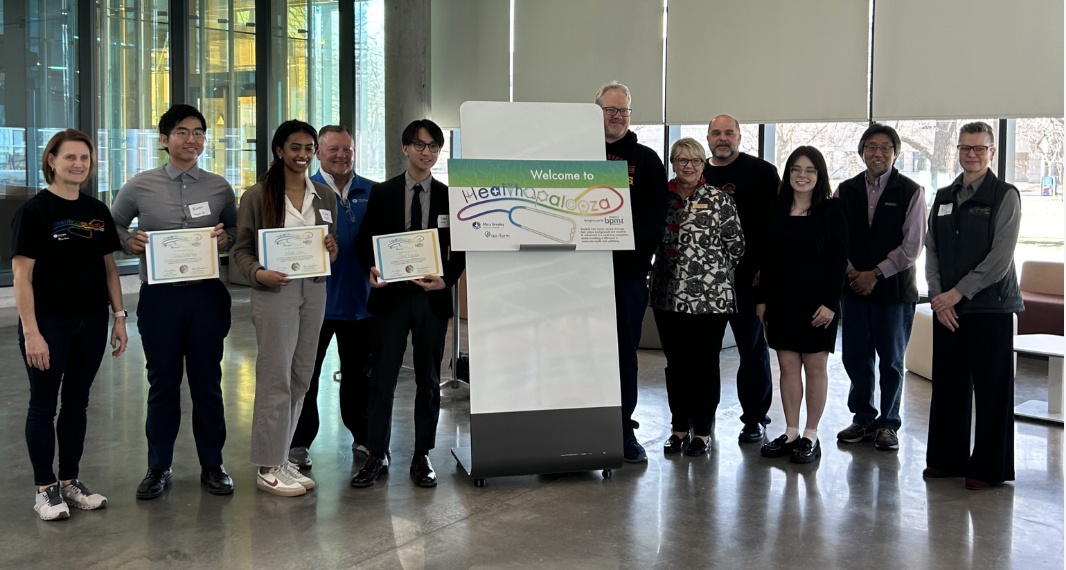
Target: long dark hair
(821, 192)
(273, 180)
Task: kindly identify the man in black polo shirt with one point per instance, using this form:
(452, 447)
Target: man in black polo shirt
(886, 223)
(753, 183)
(973, 230)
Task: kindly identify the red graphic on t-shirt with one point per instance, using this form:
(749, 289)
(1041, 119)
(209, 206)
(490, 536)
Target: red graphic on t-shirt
(728, 188)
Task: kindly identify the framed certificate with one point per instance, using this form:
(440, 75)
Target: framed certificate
(408, 255)
(296, 252)
(181, 255)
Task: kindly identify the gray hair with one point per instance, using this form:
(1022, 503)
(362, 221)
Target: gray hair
(978, 127)
(613, 86)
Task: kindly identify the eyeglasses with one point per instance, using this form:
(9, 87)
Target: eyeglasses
(348, 210)
(688, 161)
(612, 111)
(421, 146)
(801, 170)
(872, 148)
(978, 150)
(184, 133)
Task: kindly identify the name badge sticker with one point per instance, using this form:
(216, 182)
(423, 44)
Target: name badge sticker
(442, 221)
(199, 210)
(327, 216)
(699, 206)
(945, 210)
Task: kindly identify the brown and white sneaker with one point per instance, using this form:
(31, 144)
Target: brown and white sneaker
(278, 481)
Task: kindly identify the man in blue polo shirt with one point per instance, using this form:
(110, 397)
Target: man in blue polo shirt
(346, 295)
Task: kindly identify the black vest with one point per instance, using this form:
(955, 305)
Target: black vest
(869, 244)
(964, 239)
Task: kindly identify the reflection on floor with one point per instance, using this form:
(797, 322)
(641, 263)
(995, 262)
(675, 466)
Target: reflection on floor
(857, 508)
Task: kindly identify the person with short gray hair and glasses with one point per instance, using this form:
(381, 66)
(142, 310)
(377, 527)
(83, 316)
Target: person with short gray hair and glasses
(974, 292)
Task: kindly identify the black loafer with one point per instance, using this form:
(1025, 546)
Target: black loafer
(697, 448)
(422, 472)
(374, 468)
(779, 447)
(155, 482)
(675, 444)
(752, 433)
(806, 452)
(216, 480)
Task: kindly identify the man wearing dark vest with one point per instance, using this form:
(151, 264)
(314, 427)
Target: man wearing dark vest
(886, 224)
(973, 230)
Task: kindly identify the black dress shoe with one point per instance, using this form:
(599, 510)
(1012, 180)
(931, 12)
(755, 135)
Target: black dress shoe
(374, 468)
(155, 482)
(422, 472)
(216, 480)
(675, 444)
(752, 433)
(779, 447)
(806, 452)
(697, 448)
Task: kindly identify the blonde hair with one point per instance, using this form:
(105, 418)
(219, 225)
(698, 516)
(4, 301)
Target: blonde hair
(689, 144)
(52, 149)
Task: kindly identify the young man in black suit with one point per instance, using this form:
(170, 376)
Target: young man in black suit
(408, 202)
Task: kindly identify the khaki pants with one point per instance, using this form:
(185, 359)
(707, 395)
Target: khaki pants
(287, 323)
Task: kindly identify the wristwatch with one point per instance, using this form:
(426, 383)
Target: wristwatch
(877, 273)
(118, 314)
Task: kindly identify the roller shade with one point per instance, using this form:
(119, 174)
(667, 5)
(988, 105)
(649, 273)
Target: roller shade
(968, 59)
(565, 50)
(470, 58)
(767, 61)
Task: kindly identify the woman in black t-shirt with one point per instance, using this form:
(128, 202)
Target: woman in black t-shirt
(65, 275)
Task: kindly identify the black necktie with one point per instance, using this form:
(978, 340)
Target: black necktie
(416, 208)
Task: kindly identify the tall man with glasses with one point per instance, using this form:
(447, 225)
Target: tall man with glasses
(649, 199)
(182, 325)
(753, 183)
(346, 295)
(886, 225)
(973, 230)
(411, 201)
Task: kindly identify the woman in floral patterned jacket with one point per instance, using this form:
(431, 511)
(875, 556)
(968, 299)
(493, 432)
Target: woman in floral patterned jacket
(692, 295)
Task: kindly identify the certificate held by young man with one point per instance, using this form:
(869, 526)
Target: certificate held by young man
(408, 255)
(181, 255)
(297, 252)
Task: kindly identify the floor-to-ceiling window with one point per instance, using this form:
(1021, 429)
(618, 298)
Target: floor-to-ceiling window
(370, 89)
(222, 76)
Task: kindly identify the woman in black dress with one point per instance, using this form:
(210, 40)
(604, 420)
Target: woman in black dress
(799, 295)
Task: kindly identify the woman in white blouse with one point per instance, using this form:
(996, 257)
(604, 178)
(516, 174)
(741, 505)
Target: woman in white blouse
(287, 313)
(692, 295)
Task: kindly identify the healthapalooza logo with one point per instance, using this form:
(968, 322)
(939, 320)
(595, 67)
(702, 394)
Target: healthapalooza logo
(597, 200)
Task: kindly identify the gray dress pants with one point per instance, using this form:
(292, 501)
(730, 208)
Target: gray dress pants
(287, 323)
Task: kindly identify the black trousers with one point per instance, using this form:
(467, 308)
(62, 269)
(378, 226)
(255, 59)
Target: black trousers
(755, 389)
(353, 348)
(412, 314)
(76, 346)
(692, 345)
(974, 360)
(182, 331)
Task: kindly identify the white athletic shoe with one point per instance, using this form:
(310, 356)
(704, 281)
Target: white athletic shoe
(79, 496)
(50, 505)
(278, 481)
(301, 456)
(294, 472)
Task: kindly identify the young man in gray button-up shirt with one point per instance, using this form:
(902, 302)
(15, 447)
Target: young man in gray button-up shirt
(182, 325)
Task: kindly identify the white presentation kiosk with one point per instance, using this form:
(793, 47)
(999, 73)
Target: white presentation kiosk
(544, 383)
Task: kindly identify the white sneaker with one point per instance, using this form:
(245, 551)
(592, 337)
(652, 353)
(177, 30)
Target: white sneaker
(78, 495)
(294, 472)
(301, 456)
(277, 481)
(50, 505)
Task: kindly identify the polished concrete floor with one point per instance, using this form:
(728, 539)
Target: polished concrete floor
(857, 508)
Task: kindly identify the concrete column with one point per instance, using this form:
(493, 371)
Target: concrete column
(407, 67)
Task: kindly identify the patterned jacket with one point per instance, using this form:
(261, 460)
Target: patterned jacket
(701, 245)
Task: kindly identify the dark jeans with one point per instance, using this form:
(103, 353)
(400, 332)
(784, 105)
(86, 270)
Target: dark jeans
(631, 302)
(182, 331)
(754, 387)
(974, 363)
(76, 346)
(411, 313)
(870, 328)
(353, 348)
(692, 345)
